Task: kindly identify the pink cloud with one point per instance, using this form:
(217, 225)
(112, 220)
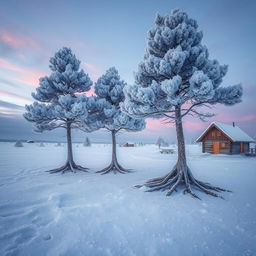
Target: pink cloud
(192, 126)
(94, 71)
(13, 95)
(90, 92)
(14, 99)
(248, 118)
(154, 124)
(16, 41)
(160, 124)
(23, 75)
(158, 127)
(236, 115)
(10, 111)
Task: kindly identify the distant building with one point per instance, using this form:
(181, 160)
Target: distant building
(221, 138)
(129, 144)
(30, 141)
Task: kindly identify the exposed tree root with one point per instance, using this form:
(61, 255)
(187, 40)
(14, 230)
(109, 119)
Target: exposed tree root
(114, 167)
(69, 166)
(181, 176)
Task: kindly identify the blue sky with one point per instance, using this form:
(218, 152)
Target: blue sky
(113, 33)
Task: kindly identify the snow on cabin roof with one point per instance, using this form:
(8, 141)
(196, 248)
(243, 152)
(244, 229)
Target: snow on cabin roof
(233, 132)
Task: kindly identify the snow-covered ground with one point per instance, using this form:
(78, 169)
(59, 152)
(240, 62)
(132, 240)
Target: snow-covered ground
(92, 214)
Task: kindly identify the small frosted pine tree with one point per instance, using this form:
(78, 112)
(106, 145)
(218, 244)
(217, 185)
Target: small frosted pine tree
(110, 87)
(177, 78)
(87, 142)
(60, 105)
(41, 144)
(18, 144)
(160, 142)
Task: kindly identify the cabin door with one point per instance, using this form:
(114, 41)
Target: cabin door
(216, 147)
(241, 147)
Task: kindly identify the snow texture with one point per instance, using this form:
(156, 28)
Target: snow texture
(176, 71)
(88, 214)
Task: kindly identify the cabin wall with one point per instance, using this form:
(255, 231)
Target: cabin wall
(236, 147)
(246, 147)
(225, 147)
(215, 135)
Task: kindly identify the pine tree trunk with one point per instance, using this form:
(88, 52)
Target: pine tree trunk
(180, 176)
(69, 144)
(181, 163)
(113, 134)
(114, 165)
(70, 164)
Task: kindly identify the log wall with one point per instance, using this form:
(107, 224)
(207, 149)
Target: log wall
(216, 135)
(236, 147)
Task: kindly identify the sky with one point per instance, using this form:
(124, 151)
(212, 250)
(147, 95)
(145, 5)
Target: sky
(110, 33)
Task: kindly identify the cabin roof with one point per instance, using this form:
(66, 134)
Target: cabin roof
(233, 132)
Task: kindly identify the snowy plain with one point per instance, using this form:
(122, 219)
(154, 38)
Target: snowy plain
(92, 214)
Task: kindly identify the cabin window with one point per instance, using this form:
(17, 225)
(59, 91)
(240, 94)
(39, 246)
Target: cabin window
(218, 133)
(223, 145)
(213, 134)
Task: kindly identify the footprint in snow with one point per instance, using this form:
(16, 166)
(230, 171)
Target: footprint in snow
(203, 211)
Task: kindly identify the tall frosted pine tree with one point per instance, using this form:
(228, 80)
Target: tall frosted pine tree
(176, 78)
(110, 87)
(57, 104)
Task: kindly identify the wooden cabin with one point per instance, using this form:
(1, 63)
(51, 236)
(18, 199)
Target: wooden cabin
(221, 138)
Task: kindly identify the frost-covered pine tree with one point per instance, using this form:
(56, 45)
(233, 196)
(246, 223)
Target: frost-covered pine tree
(160, 141)
(87, 142)
(41, 144)
(18, 144)
(176, 78)
(60, 106)
(110, 87)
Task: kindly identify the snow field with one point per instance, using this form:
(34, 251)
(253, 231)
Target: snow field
(92, 214)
